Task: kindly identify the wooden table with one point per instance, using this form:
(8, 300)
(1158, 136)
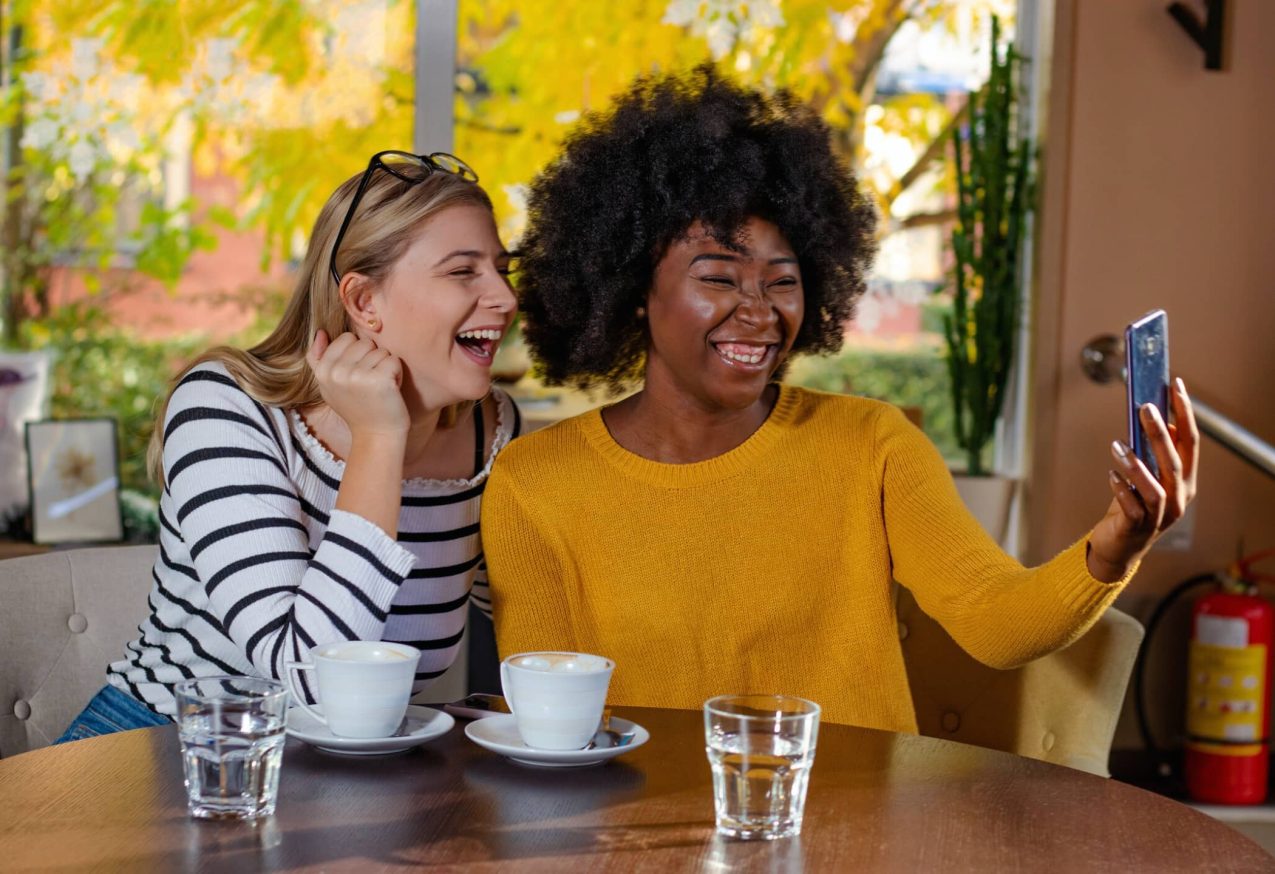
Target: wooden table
(878, 801)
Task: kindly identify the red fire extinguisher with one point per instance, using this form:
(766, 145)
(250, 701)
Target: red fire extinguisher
(1229, 695)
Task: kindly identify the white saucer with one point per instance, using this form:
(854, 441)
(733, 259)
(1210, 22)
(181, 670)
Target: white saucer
(423, 725)
(500, 735)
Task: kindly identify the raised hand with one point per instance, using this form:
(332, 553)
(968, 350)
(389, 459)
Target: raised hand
(361, 382)
(1143, 506)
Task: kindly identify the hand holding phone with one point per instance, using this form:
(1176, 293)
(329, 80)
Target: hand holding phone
(1146, 349)
(1146, 496)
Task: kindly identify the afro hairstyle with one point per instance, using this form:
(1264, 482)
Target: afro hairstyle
(671, 151)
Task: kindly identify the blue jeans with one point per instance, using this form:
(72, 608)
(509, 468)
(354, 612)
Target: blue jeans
(110, 711)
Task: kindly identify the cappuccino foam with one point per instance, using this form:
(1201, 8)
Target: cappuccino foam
(362, 651)
(562, 663)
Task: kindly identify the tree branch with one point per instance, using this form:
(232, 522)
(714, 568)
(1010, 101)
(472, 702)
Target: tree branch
(932, 152)
(488, 127)
(923, 219)
(868, 57)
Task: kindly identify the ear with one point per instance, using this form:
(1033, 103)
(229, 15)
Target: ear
(359, 297)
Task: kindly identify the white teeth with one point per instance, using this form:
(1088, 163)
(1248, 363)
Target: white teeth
(741, 357)
(488, 334)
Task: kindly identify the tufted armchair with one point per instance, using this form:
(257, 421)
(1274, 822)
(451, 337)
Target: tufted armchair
(65, 615)
(1061, 708)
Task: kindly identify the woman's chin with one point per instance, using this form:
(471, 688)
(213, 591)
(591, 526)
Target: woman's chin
(468, 391)
(741, 393)
(452, 393)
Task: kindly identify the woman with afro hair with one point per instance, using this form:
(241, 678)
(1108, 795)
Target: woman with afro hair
(718, 531)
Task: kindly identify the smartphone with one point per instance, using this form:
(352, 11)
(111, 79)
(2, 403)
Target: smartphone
(477, 705)
(1146, 350)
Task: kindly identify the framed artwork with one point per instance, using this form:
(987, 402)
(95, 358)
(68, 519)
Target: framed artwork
(73, 471)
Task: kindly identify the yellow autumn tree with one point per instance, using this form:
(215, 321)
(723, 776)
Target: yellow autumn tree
(290, 97)
(528, 69)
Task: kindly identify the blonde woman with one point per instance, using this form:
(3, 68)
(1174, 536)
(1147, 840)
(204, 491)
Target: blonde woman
(324, 484)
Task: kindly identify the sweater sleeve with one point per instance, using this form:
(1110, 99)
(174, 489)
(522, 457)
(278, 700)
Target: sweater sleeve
(241, 516)
(1000, 612)
(525, 571)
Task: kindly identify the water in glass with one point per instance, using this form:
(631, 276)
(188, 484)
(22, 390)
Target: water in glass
(232, 750)
(759, 784)
(760, 749)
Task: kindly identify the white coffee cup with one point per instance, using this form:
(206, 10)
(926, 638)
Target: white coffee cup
(556, 698)
(363, 686)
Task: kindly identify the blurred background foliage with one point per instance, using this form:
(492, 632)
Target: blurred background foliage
(285, 99)
(99, 369)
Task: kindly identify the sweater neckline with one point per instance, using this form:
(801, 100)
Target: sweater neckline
(673, 476)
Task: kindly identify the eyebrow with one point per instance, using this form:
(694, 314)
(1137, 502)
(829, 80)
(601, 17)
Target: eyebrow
(468, 253)
(719, 256)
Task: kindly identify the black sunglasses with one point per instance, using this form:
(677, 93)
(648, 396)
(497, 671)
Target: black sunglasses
(402, 165)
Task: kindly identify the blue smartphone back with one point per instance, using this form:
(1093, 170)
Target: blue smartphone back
(1146, 344)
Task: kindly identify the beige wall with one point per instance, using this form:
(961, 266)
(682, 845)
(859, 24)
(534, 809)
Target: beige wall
(1159, 191)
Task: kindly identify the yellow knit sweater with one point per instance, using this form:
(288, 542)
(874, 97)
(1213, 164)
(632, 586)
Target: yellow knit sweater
(766, 569)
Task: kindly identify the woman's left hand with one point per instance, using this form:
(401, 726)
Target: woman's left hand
(1143, 506)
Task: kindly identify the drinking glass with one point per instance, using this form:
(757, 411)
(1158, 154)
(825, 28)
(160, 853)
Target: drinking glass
(232, 736)
(761, 748)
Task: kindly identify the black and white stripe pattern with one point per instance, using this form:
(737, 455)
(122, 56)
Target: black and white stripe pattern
(256, 567)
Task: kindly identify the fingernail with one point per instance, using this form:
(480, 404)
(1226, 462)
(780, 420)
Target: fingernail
(1150, 411)
(1113, 477)
(1181, 385)
(1121, 451)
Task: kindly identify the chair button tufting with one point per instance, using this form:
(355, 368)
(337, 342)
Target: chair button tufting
(1048, 741)
(951, 721)
(903, 631)
(77, 622)
(21, 709)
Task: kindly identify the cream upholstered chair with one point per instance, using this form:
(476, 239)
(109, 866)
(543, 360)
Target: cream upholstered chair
(1061, 708)
(64, 616)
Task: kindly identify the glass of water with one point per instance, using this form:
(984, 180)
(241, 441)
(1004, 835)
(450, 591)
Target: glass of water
(232, 736)
(761, 748)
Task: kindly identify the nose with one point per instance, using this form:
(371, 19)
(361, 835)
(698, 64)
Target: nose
(498, 295)
(755, 308)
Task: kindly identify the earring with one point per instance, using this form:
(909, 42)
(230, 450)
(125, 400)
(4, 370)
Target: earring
(373, 324)
(641, 312)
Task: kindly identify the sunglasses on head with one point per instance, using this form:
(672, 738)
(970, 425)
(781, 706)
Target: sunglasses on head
(402, 165)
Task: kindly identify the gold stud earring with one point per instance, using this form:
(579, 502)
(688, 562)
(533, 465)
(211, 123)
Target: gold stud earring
(641, 312)
(373, 324)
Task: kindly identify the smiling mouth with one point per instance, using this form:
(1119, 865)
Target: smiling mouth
(480, 344)
(746, 356)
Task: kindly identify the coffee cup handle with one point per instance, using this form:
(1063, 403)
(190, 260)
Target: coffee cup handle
(292, 689)
(505, 688)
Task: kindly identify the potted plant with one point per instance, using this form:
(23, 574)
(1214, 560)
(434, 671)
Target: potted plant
(994, 182)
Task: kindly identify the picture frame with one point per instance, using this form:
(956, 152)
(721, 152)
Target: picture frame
(74, 479)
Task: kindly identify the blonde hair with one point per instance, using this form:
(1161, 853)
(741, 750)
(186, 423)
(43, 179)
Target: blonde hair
(275, 371)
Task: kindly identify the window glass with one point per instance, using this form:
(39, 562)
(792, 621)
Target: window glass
(166, 163)
(887, 77)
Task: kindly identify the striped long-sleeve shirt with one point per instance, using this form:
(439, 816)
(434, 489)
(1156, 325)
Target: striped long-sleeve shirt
(256, 567)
